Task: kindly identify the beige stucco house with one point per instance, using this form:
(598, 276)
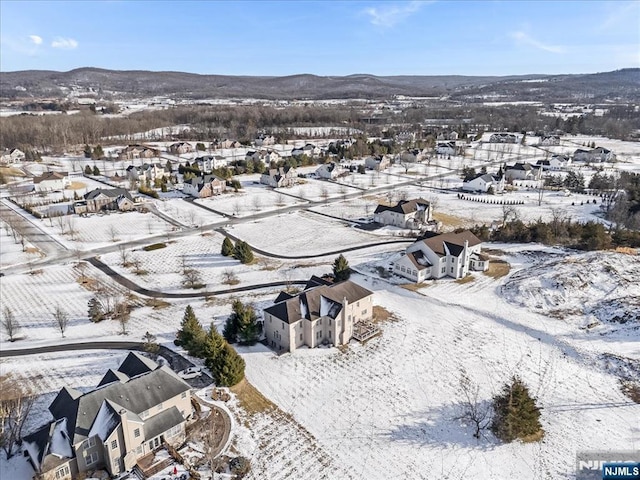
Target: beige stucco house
(323, 313)
(131, 412)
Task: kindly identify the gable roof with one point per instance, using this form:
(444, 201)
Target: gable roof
(451, 242)
(108, 192)
(135, 364)
(520, 166)
(140, 393)
(113, 376)
(162, 422)
(404, 207)
(317, 302)
(50, 176)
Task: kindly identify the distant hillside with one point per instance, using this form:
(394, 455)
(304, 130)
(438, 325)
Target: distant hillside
(621, 84)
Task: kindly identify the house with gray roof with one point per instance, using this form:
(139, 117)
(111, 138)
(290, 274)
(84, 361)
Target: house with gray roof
(483, 182)
(323, 314)
(131, 413)
(413, 214)
(444, 255)
(104, 199)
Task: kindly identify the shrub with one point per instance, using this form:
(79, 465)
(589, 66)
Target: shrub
(154, 246)
(516, 415)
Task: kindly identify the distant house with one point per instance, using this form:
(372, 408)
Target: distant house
(379, 163)
(322, 314)
(522, 171)
(229, 144)
(50, 181)
(556, 162)
(133, 152)
(132, 412)
(598, 154)
(483, 182)
(410, 156)
(330, 171)
(147, 172)
(503, 138)
(271, 156)
(204, 186)
(280, 177)
(11, 156)
(253, 155)
(444, 255)
(549, 140)
(100, 199)
(264, 141)
(446, 148)
(180, 148)
(414, 214)
(206, 163)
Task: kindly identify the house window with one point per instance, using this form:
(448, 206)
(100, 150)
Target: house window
(364, 312)
(443, 270)
(114, 444)
(320, 322)
(184, 395)
(329, 322)
(62, 472)
(300, 337)
(329, 333)
(451, 269)
(91, 458)
(136, 433)
(283, 325)
(91, 442)
(270, 319)
(402, 269)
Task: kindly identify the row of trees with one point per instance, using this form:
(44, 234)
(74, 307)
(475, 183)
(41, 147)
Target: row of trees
(12, 328)
(241, 251)
(226, 366)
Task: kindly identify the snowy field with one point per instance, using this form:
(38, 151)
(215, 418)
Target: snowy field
(300, 233)
(252, 199)
(11, 253)
(389, 405)
(186, 213)
(99, 230)
(316, 190)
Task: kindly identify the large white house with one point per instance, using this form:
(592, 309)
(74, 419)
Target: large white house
(483, 182)
(445, 255)
(330, 171)
(598, 154)
(322, 314)
(412, 214)
(522, 171)
(50, 181)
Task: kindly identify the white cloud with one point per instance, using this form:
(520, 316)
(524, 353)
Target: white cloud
(390, 15)
(64, 43)
(35, 39)
(526, 39)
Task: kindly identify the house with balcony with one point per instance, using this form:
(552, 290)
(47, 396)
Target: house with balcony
(132, 412)
(323, 314)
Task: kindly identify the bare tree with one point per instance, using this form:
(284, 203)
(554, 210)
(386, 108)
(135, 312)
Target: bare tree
(324, 192)
(113, 232)
(256, 203)
(236, 207)
(192, 278)
(280, 200)
(229, 277)
(122, 313)
(9, 324)
(473, 409)
(16, 401)
(124, 255)
(509, 212)
(135, 261)
(61, 319)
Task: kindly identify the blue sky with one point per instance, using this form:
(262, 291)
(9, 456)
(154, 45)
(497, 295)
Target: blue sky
(324, 38)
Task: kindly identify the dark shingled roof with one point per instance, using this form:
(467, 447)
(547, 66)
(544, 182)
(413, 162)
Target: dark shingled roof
(453, 241)
(109, 192)
(113, 376)
(309, 303)
(404, 206)
(135, 364)
(162, 422)
(419, 260)
(137, 395)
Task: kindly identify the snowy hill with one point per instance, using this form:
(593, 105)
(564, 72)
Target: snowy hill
(589, 288)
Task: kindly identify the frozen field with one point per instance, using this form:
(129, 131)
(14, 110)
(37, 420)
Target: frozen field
(11, 253)
(252, 199)
(186, 213)
(300, 233)
(315, 190)
(389, 405)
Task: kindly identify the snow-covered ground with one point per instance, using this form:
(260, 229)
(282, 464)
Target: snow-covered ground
(12, 253)
(390, 405)
(301, 233)
(252, 199)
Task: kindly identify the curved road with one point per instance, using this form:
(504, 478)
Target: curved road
(72, 347)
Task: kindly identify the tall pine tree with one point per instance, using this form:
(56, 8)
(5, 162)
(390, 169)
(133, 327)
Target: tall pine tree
(516, 414)
(341, 270)
(212, 347)
(191, 334)
(242, 252)
(242, 324)
(230, 369)
(227, 247)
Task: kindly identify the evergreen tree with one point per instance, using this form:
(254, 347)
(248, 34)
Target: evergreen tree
(96, 311)
(341, 270)
(87, 170)
(97, 152)
(229, 369)
(516, 413)
(96, 170)
(242, 252)
(242, 324)
(191, 334)
(212, 346)
(87, 151)
(168, 167)
(227, 247)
